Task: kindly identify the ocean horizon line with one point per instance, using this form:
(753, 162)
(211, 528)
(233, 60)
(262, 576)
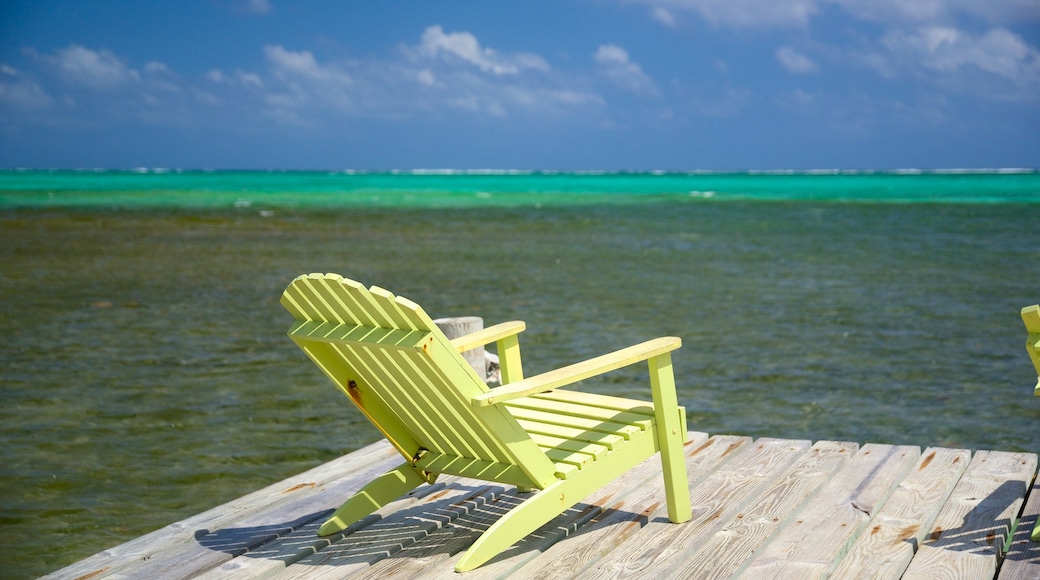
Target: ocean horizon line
(516, 171)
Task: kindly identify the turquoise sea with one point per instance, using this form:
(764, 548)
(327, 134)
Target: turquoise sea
(162, 188)
(146, 375)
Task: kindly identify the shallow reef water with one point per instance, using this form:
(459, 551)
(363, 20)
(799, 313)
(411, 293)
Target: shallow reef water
(146, 375)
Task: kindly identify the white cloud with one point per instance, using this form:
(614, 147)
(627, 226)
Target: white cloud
(18, 90)
(95, 69)
(455, 72)
(574, 97)
(256, 7)
(742, 13)
(497, 96)
(799, 100)
(997, 64)
(794, 61)
(799, 13)
(948, 50)
(615, 64)
(664, 16)
(426, 77)
(206, 97)
(242, 78)
(1009, 12)
(303, 82)
(960, 45)
(719, 102)
(898, 12)
(158, 77)
(249, 79)
(464, 46)
(303, 66)
(918, 12)
(259, 6)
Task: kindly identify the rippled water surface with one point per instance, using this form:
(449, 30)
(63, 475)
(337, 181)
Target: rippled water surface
(146, 375)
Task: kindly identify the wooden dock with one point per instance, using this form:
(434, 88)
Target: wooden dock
(766, 508)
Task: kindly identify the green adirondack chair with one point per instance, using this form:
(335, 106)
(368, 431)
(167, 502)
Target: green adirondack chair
(1031, 317)
(412, 383)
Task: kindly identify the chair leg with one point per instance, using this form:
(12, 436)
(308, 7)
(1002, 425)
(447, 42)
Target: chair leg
(556, 498)
(525, 518)
(376, 494)
(670, 438)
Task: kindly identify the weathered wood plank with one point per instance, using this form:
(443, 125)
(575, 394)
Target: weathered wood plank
(968, 535)
(1022, 561)
(719, 497)
(818, 536)
(894, 534)
(724, 552)
(619, 522)
(311, 491)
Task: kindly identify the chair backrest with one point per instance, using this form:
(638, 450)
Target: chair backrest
(388, 356)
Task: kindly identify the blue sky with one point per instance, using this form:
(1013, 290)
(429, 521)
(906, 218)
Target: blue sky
(597, 84)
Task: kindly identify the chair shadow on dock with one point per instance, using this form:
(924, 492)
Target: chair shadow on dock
(248, 540)
(444, 521)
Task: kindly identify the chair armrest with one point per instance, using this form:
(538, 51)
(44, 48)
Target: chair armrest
(488, 335)
(578, 371)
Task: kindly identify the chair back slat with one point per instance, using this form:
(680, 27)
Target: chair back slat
(391, 309)
(414, 313)
(303, 302)
(367, 306)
